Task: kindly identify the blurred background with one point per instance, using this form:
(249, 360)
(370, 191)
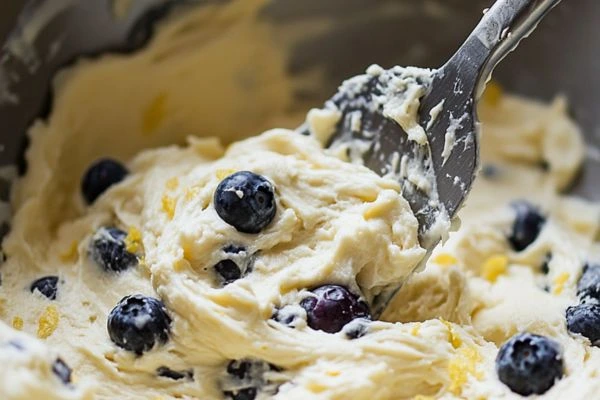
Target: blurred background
(563, 56)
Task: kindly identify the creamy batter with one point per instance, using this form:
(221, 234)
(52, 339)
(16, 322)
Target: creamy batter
(336, 223)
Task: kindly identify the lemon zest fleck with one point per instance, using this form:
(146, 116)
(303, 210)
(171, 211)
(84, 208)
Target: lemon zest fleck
(133, 240)
(415, 329)
(17, 323)
(493, 267)
(48, 322)
(172, 183)
(71, 253)
(445, 260)
(168, 206)
(559, 282)
(461, 366)
(453, 337)
(191, 192)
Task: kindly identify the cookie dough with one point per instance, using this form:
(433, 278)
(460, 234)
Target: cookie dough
(336, 223)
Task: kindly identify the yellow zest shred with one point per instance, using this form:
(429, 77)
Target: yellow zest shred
(172, 183)
(316, 387)
(423, 397)
(133, 240)
(559, 282)
(71, 253)
(493, 93)
(48, 322)
(415, 329)
(333, 372)
(154, 114)
(191, 192)
(445, 260)
(453, 337)
(225, 172)
(168, 206)
(461, 366)
(493, 267)
(17, 323)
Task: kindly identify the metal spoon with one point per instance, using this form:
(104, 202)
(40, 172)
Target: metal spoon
(449, 158)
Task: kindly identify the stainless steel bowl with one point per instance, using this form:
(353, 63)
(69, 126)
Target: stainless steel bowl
(563, 56)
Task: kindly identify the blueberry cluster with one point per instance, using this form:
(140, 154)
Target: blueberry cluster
(527, 225)
(245, 378)
(529, 364)
(329, 308)
(584, 318)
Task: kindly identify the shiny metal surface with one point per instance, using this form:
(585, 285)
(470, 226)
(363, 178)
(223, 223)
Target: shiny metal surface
(563, 56)
(455, 87)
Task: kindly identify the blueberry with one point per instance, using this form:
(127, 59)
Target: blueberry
(588, 287)
(108, 250)
(529, 364)
(545, 268)
(490, 171)
(138, 323)
(228, 270)
(356, 328)
(331, 307)
(246, 378)
(62, 370)
(289, 315)
(527, 225)
(167, 372)
(100, 176)
(246, 201)
(584, 319)
(47, 286)
(233, 249)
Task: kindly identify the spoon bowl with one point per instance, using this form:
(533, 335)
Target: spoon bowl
(420, 126)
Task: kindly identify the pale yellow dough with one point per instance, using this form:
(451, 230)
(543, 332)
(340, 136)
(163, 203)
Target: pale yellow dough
(209, 78)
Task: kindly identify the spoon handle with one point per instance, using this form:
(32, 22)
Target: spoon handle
(497, 34)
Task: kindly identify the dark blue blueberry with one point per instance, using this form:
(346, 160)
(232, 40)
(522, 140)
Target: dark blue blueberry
(108, 250)
(545, 268)
(233, 249)
(356, 328)
(584, 319)
(287, 315)
(167, 372)
(48, 286)
(333, 306)
(588, 287)
(100, 176)
(62, 370)
(490, 171)
(228, 270)
(527, 225)
(529, 364)
(246, 378)
(138, 323)
(246, 201)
